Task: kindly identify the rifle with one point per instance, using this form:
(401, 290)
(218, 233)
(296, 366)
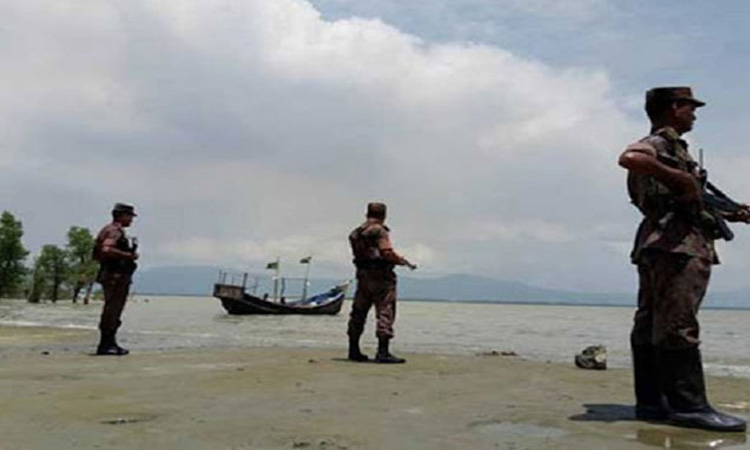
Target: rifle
(130, 266)
(716, 205)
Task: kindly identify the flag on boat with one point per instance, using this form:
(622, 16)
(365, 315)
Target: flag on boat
(305, 260)
(272, 265)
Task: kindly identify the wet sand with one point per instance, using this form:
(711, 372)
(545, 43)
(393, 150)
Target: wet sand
(55, 395)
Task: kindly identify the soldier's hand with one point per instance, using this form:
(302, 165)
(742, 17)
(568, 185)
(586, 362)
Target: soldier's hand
(410, 265)
(743, 215)
(135, 256)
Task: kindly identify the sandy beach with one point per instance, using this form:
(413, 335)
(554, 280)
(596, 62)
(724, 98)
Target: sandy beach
(55, 395)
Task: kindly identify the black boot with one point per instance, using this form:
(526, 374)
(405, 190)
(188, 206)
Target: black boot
(108, 345)
(105, 343)
(649, 400)
(354, 352)
(685, 389)
(120, 350)
(384, 356)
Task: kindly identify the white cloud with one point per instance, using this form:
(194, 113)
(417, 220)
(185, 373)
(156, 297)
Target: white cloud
(252, 129)
(527, 232)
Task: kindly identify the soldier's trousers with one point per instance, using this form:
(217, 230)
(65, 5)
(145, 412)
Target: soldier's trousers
(671, 289)
(116, 287)
(374, 287)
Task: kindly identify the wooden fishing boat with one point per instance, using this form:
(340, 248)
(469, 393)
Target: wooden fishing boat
(236, 300)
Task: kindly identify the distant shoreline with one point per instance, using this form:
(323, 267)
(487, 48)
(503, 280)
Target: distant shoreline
(499, 302)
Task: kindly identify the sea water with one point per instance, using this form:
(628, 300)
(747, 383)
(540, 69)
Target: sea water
(538, 332)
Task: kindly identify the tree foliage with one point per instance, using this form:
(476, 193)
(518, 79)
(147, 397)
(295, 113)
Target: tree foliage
(52, 266)
(38, 283)
(12, 254)
(82, 267)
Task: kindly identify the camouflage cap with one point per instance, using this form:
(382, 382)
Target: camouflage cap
(123, 208)
(376, 210)
(663, 95)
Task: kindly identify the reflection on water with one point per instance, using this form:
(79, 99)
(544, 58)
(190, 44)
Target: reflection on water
(680, 438)
(540, 332)
(522, 430)
(739, 405)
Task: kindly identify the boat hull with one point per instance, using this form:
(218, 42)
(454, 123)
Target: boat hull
(237, 302)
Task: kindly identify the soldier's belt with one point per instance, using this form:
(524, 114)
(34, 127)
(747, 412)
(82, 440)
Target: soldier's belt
(372, 264)
(119, 267)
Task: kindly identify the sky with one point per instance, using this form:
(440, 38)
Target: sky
(243, 131)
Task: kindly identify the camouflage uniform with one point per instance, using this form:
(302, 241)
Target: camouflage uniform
(376, 280)
(115, 276)
(673, 253)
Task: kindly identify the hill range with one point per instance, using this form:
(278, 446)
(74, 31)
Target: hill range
(199, 280)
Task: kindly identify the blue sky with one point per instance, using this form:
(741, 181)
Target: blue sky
(639, 43)
(669, 37)
(247, 130)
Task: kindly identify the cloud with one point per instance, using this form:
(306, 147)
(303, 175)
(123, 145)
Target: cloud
(248, 130)
(479, 10)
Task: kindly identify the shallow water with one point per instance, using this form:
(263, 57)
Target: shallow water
(538, 332)
(518, 430)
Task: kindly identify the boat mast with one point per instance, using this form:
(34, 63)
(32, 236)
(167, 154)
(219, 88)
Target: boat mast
(277, 273)
(307, 261)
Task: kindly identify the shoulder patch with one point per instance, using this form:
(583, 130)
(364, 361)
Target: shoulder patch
(374, 229)
(641, 147)
(112, 232)
(661, 144)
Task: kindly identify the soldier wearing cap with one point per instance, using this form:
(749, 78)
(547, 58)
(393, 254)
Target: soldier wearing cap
(674, 254)
(116, 255)
(374, 258)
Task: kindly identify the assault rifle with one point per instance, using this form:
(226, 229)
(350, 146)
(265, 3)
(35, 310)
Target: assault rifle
(716, 204)
(130, 265)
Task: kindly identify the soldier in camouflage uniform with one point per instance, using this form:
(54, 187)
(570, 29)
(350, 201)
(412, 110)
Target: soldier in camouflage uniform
(374, 258)
(116, 255)
(674, 252)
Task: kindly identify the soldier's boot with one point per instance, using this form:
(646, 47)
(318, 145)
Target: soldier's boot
(105, 346)
(685, 390)
(384, 356)
(650, 403)
(120, 350)
(108, 345)
(355, 354)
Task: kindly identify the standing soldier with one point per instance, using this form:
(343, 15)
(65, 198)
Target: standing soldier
(116, 255)
(674, 251)
(374, 258)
